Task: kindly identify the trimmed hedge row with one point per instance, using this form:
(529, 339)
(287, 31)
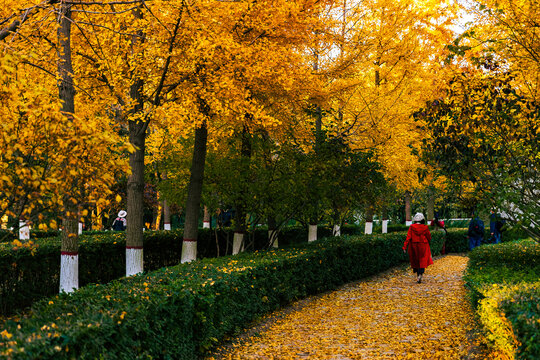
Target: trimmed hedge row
(504, 287)
(29, 274)
(457, 242)
(27, 277)
(182, 311)
(8, 235)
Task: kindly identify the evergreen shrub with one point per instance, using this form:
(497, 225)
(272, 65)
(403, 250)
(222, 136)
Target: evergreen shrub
(456, 241)
(503, 285)
(30, 274)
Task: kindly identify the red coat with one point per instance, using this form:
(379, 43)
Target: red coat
(417, 240)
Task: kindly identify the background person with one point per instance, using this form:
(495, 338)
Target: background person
(495, 226)
(476, 232)
(119, 224)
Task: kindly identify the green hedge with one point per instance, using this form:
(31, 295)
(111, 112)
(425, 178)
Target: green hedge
(182, 311)
(503, 283)
(25, 278)
(456, 241)
(9, 235)
(524, 313)
(508, 263)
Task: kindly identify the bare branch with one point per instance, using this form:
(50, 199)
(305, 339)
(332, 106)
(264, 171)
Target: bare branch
(103, 3)
(106, 12)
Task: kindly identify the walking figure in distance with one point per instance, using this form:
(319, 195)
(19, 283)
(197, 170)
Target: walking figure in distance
(417, 242)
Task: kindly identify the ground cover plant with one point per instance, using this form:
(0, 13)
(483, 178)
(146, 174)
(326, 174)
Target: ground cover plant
(504, 286)
(181, 311)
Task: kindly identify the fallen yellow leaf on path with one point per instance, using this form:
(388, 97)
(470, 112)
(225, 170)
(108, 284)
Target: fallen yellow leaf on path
(388, 316)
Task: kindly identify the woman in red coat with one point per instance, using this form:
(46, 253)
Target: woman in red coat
(417, 240)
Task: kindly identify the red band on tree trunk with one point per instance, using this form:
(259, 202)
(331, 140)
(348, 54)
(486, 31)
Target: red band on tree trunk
(70, 253)
(190, 240)
(134, 247)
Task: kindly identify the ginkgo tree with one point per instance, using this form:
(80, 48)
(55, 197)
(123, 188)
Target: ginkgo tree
(255, 67)
(388, 63)
(484, 135)
(484, 128)
(54, 157)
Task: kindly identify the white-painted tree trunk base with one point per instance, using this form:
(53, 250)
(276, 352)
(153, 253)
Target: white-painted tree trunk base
(312, 233)
(385, 226)
(134, 261)
(238, 243)
(368, 229)
(206, 225)
(408, 222)
(337, 230)
(189, 251)
(167, 226)
(80, 228)
(24, 231)
(69, 272)
(273, 236)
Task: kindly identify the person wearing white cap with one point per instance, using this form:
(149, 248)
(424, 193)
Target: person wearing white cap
(119, 224)
(417, 242)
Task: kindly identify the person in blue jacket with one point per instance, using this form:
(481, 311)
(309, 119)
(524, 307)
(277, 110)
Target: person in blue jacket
(476, 232)
(495, 227)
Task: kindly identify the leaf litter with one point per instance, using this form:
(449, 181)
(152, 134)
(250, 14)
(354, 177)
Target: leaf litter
(387, 316)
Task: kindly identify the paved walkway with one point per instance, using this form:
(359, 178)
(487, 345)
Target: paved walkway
(388, 316)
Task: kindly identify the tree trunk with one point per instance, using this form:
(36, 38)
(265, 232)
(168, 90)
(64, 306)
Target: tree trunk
(24, 230)
(166, 216)
(135, 200)
(99, 218)
(238, 242)
(368, 229)
(240, 229)
(166, 210)
(69, 261)
(240, 215)
(135, 186)
(312, 232)
(272, 232)
(430, 206)
(193, 203)
(159, 211)
(408, 217)
(206, 218)
(385, 220)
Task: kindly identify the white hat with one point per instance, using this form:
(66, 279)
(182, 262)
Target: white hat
(122, 213)
(418, 217)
